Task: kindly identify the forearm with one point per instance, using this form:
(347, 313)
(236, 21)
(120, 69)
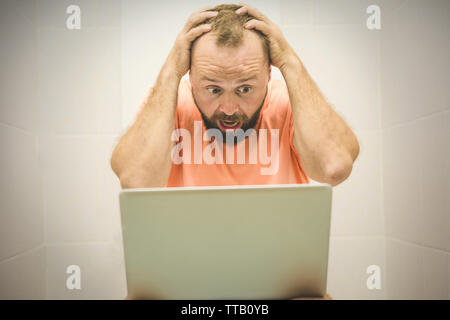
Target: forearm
(324, 141)
(142, 158)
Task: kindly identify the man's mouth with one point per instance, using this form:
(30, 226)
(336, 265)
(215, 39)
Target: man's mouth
(229, 125)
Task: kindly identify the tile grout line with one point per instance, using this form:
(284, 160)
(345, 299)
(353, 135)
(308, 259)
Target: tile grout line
(21, 253)
(44, 208)
(12, 126)
(74, 243)
(357, 237)
(39, 151)
(408, 122)
(418, 244)
(380, 160)
(421, 214)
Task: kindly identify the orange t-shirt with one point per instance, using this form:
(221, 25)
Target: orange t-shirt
(213, 164)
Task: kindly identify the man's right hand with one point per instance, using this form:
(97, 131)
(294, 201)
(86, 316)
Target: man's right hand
(179, 57)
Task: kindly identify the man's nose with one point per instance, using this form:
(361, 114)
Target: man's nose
(229, 106)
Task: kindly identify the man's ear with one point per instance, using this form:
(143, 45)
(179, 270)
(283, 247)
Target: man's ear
(270, 71)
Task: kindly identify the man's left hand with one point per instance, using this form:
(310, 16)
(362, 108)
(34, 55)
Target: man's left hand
(280, 50)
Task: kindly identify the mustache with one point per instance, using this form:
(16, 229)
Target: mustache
(225, 117)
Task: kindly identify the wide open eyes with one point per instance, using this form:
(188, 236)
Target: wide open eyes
(241, 90)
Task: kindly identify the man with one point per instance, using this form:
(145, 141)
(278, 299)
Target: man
(230, 123)
(180, 135)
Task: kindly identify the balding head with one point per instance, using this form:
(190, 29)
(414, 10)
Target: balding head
(228, 30)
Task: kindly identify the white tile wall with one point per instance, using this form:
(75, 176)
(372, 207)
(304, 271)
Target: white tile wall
(94, 13)
(18, 56)
(416, 207)
(108, 188)
(21, 206)
(447, 172)
(296, 13)
(389, 7)
(23, 276)
(416, 272)
(79, 77)
(402, 180)
(414, 65)
(22, 251)
(405, 270)
(448, 275)
(342, 11)
(301, 39)
(348, 261)
(101, 266)
(414, 54)
(333, 12)
(433, 142)
(80, 101)
(356, 203)
(343, 61)
(81, 192)
(435, 273)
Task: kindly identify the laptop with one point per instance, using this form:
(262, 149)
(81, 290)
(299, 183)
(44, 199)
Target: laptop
(226, 242)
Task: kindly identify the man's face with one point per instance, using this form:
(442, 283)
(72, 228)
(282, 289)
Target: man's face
(229, 85)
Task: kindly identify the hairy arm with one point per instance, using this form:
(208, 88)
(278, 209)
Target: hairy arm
(142, 158)
(327, 146)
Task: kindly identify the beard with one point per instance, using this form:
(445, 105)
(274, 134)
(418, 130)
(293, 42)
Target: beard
(247, 123)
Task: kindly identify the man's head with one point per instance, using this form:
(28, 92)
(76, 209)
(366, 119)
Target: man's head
(230, 70)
